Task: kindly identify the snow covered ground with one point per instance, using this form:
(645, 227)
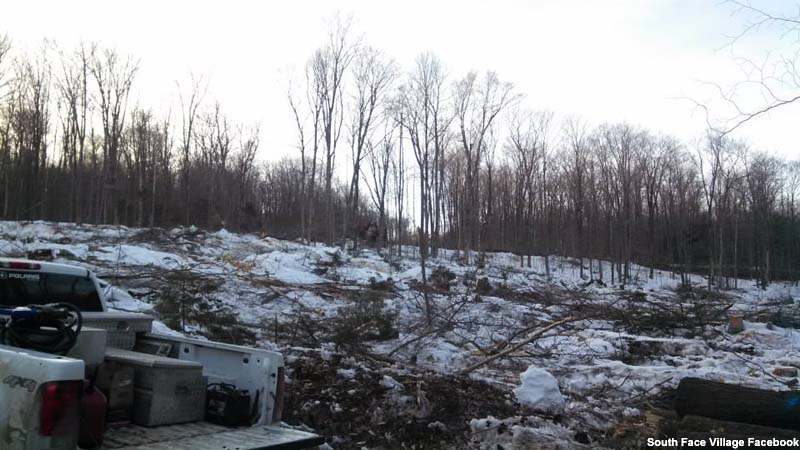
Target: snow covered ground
(619, 353)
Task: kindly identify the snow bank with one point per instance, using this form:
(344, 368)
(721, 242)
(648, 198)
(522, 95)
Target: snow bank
(294, 268)
(539, 390)
(132, 255)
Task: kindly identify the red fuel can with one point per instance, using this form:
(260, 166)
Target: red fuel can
(93, 417)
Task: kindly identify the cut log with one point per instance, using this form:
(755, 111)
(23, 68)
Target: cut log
(730, 402)
(713, 427)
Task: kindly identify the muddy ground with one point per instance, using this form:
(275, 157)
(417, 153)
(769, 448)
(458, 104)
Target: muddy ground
(360, 403)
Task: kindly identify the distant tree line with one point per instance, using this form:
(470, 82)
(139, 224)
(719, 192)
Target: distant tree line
(75, 147)
(391, 156)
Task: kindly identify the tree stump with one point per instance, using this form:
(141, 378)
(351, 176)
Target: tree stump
(736, 325)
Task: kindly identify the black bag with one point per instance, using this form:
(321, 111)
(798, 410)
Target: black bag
(226, 405)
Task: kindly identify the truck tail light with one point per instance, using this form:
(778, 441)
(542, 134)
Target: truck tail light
(20, 265)
(60, 412)
(280, 387)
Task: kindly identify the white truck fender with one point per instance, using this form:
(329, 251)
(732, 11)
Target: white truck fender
(22, 373)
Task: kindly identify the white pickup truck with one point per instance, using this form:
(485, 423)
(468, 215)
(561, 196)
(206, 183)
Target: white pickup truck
(38, 405)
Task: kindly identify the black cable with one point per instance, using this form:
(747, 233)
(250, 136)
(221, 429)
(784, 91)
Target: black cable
(54, 329)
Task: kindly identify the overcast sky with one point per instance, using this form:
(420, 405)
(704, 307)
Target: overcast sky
(601, 60)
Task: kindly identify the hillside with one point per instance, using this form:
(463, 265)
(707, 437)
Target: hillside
(371, 370)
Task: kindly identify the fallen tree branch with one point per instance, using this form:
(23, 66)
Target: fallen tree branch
(411, 341)
(518, 346)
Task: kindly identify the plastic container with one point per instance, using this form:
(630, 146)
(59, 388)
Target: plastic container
(93, 417)
(116, 382)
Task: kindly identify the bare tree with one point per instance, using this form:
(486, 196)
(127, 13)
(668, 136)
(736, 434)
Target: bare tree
(763, 188)
(478, 101)
(716, 163)
(300, 123)
(373, 74)
(6, 114)
(380, 157)
(525, 147)
(113, 76)
(770, 84)
(73, 89)
(542, 124)
(399, 177)
(653, 167)
(29, 117)
(422, 90)
(214, 141)
(244, 213)
(162, 169)
(5, 49)
(619, 146)
(577, 168)
(308, 138)
(328, 67)
(189, 107)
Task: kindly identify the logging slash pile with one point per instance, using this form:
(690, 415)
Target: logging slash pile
(490, 354)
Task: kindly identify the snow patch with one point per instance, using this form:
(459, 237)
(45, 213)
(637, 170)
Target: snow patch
(390, 383)
(139, 256)
(347, 374)
(539, 390)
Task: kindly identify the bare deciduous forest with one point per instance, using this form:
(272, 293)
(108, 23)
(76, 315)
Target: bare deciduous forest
(432, 257)
(388, 155)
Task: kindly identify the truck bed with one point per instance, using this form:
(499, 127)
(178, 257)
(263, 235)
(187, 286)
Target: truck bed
(207, 436)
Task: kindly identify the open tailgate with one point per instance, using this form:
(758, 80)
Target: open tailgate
(206, 436)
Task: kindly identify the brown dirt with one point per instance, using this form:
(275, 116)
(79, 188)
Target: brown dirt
(431, 411)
